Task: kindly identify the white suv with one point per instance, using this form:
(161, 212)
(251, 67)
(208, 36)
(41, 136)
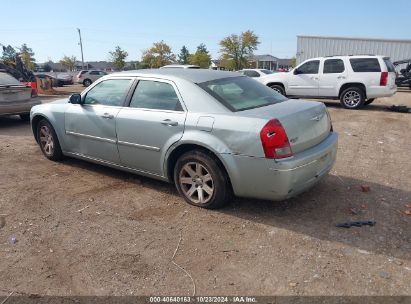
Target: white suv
(355, 80)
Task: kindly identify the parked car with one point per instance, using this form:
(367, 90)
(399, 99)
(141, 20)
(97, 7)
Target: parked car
(55, 82)
(355, 80)
(15, 97)
(180, 66)
(65, 78)
(254, 73)
(87, 77)
(211, 133)
(404, 76)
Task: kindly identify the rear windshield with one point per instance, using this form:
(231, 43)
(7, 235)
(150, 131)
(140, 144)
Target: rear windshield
(241, 93)
(6, 79)
(365, 65)
(390, 66)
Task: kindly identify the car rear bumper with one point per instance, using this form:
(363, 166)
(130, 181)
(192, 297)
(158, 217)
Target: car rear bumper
(21, 107)
(375, 92)
(278, 180)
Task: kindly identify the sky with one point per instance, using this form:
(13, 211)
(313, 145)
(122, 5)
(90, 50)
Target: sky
(50, 27)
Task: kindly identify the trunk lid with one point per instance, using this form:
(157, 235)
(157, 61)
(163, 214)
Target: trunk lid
(14, 93)
(305, 122)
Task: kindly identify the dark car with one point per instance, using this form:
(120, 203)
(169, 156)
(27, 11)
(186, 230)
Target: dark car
(404, 76)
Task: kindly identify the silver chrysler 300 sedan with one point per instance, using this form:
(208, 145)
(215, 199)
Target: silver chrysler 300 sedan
(211, 133)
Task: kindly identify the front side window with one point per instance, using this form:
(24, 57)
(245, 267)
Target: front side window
(94, 73)
(241, 93)
(310, 67)
(251, 74)
(333, 66)
(155, 95)
(110, 92)
(365, 65)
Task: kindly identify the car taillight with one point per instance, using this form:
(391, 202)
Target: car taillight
(384, 79)
(275, 140)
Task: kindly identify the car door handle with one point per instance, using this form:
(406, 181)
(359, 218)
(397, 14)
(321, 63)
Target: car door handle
(169, 122)
(314, 78)
(107, 116)
(341, 77)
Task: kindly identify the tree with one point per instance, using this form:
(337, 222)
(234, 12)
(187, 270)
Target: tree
(293, 62)
(239, 48)
(69, 62)
(202, 48)
(201, 57)
(9, 55)
(26, 55)
(118, 57)
(184, 55)
(158, 55)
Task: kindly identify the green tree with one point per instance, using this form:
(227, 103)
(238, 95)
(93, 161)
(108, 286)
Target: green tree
(158, 55)
(9, 55)
(69, 62)
(239, 48)
(118, 57)
(201, 57)
(293, 62)
(184, 55)
(27, 56)
(202, 48)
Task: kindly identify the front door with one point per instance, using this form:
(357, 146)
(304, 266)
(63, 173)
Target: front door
(331, 78)
(304, 80)
(153, 121)
(91, 127)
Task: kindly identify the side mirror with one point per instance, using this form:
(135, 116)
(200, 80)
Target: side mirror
(75, 99)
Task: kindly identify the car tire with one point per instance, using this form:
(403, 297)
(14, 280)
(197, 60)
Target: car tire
(369, 101)
(278, 88)
(87, 82)
(25, 117)
(48, 141)
(352, 98)
(201, 180)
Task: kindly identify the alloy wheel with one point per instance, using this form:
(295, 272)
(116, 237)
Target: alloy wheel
(196, 183)
(352, 99)
(46, 140)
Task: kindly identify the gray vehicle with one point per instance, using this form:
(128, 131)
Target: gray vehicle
(211, 133)
(15, 97)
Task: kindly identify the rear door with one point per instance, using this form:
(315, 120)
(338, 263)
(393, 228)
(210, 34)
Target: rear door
(332, 76)
(91, 127)
(304, 81)
(153, 121)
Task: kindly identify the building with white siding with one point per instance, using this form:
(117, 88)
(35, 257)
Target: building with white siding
(319, 46)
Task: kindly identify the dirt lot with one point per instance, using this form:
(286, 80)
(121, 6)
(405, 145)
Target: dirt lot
(82, 229)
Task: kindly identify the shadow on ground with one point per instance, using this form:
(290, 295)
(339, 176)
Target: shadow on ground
(334, 200)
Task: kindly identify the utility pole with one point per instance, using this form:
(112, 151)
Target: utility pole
(81, 47)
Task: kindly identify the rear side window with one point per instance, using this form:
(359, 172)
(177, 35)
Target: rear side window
(390, 66)
(94, 73)
(333, 66)
(155, 95)
(365, 65)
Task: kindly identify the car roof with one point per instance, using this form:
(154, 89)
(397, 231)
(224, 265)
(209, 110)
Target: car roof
(192, 75)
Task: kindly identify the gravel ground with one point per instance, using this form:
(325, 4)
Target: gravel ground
(83, 229)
